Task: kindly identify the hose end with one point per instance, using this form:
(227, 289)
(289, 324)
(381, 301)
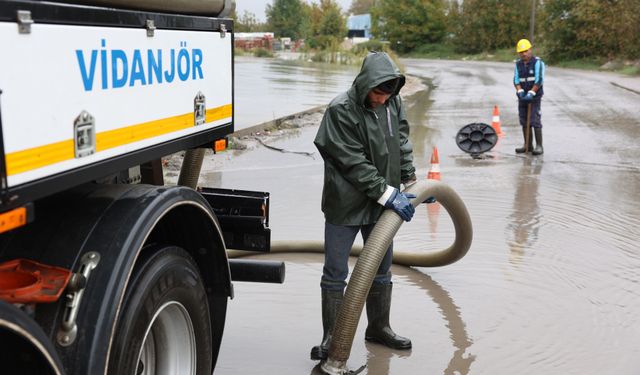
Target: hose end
(334, 367)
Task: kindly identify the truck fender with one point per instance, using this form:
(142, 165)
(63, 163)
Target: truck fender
(118, 223)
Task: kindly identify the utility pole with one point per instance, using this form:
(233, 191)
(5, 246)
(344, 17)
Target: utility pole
(532, 21)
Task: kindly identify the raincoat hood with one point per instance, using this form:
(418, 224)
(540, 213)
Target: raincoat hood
(366, 151)
(377, 68)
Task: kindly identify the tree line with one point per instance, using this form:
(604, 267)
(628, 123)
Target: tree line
(321, 24)
(567, 29)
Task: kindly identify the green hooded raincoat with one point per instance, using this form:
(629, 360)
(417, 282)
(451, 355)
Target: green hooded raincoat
(364, 149)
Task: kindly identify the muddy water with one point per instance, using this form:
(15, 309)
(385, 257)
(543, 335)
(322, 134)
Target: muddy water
(266, 89)
(551, 283)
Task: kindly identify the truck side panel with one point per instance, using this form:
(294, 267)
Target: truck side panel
(139, 90)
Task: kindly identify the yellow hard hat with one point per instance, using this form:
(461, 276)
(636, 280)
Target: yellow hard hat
(523, 45)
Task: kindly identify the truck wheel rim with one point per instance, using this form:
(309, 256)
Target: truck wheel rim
(169, 345)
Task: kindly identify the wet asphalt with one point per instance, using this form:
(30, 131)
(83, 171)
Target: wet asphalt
(550, 284)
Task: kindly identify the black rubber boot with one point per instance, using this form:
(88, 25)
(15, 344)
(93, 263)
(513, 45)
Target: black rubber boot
(538, 150)
(378, 306)
(521, 150)
(331, 301)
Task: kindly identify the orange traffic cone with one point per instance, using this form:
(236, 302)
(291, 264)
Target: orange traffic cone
(495, 123)
(433, 209)
(434, 171)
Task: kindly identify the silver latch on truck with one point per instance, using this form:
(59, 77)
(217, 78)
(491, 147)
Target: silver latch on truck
(84, 130)
(199, 109)
(24, 22)
(223, 30)
(151, 28)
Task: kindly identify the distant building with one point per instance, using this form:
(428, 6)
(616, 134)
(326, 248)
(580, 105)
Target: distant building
(359, 26)
(247, 41)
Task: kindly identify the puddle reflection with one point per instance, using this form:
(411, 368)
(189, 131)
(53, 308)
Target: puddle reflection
(524, 221)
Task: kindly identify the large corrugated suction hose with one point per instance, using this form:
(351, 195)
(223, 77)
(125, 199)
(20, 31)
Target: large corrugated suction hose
(191, 166)
(404, 258)
(370, 256)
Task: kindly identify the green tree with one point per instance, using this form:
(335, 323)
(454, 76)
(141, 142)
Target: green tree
(332, 23)
(286, 18)
(247, 23)
(314, 14)
(327, 24)
(578, 29)
(361, 6)
(407, 24)
(453, 18)
(491, 24)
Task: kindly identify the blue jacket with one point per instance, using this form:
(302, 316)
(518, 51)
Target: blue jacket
(529, 74)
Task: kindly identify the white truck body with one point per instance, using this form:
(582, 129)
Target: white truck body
(139, 89)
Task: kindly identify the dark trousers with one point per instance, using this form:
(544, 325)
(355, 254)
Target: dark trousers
(338, 240)
(535, 112)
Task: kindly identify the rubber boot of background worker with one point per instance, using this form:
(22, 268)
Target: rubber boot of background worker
(378, 306)
(521, 150)
(331, 301)
(538, 150)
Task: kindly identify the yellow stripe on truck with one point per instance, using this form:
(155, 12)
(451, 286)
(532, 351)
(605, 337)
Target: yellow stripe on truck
(41, 156)
(218, 113)
(38, 157)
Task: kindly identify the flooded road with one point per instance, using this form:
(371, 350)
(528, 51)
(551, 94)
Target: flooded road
(262, 85)
(551, 282)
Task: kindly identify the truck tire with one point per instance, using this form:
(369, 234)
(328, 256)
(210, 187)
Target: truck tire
(164, 325)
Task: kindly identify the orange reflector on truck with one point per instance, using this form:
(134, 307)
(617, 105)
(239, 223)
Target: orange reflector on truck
(26, 281)
(220, 145)
(13, 219)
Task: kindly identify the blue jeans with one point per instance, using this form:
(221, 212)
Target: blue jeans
(338, 240)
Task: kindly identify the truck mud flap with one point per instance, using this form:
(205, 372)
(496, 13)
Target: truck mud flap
(243, 216)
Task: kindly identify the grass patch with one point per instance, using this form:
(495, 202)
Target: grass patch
(446, 51)
(352, 56)
(262, 52)
(435, 51)
(579, 64)
(239, 52)
(339, 57)
(449, 52)
(631, 70)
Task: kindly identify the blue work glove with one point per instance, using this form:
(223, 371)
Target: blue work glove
(521, 94)
(529, 96)
(400, 203)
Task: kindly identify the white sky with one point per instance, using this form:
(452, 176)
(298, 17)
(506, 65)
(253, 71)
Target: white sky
(257, 7)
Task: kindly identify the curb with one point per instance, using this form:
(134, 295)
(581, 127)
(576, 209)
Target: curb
(275, 123)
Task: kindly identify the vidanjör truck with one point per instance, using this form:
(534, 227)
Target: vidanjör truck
(103, 268)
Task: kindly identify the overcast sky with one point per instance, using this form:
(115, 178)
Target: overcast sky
(257, 7)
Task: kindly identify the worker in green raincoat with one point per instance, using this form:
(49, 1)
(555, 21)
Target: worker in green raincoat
(364, 141)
